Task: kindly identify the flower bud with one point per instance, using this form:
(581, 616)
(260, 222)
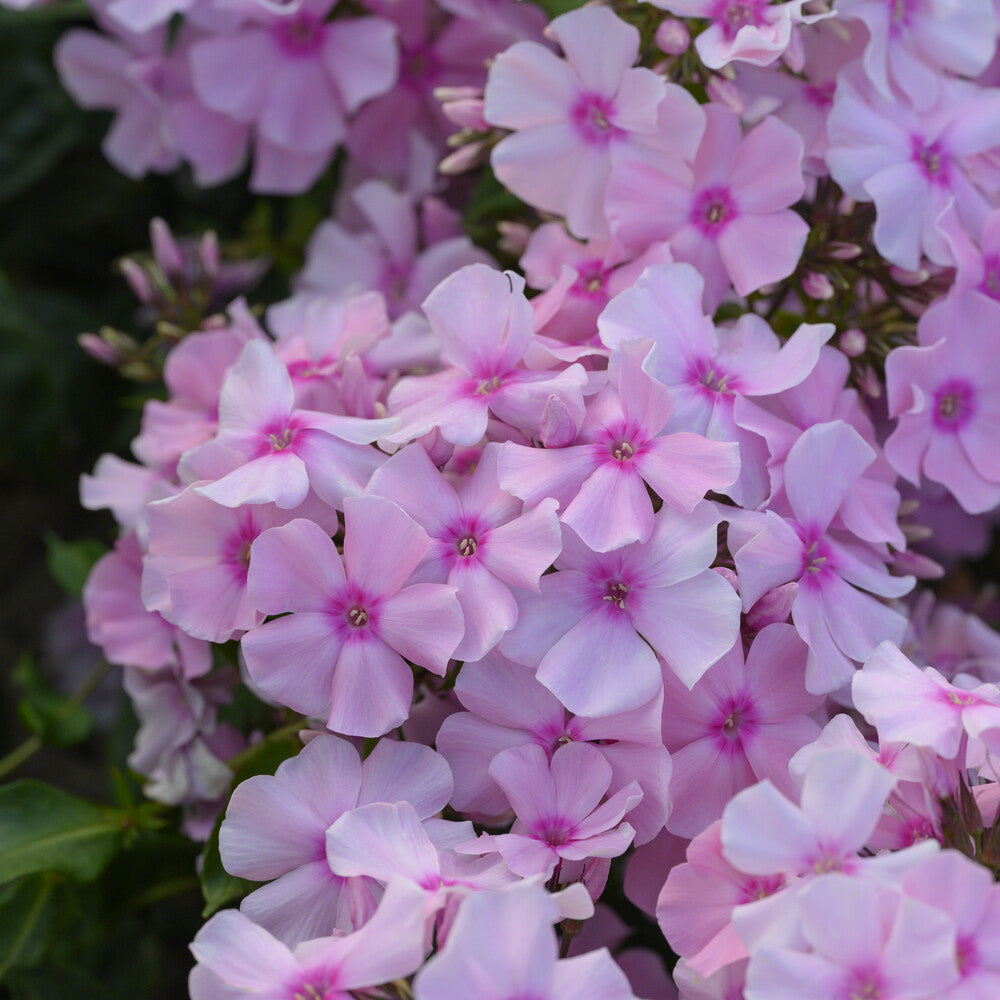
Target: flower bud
(558, 427)
(774, 606)
(673, 37)
(817, 286)
(853, 343)
(723, 92)
(165, 249)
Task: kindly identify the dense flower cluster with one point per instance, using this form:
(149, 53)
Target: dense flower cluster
(608, 560)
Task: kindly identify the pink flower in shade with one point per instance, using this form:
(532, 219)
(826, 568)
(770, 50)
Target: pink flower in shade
(508, 707)
(575, 118)
(341, 653)
(275, 829)
(914, 165)
(485, 325)
(502, 947)
(843, 792)
(293, 76)
(738, 725)
(395, 254)
(727, 213)
(870, 509)
(125, 489)
(601, 482)
(709, 368)
(753, 31)
(834, 610)
(595, 630)
(695, 906)
(578, 279)
(483, 541)
(267, 451)
(945, 393)
(859, 939)
(323, 340)
(195, 571)
(435, 52)
(967, 893)
(194, 373)
(119, 623)
(978, 263)
(910, 705)
(237, 960)
(912, 42)
(560, 816)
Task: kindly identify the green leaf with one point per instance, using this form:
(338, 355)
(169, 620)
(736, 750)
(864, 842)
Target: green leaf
(217, 885)
(556, 7)
(55, 719)
(71, 562)
(27, 914)
(45, 829)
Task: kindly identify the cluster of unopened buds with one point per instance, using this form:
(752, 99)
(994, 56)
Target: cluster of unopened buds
(593, 589)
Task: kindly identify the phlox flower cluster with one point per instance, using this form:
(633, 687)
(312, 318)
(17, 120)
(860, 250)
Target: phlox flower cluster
(605, 573)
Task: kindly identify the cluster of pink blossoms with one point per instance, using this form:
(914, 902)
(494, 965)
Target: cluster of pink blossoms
(604, 568)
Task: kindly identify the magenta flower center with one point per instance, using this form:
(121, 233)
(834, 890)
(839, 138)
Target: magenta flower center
(954, 405)
(592, 115)
(932, 159)
(820, 95)
(615, 594)
(815, 558)
(713, 210)
(301, 35)
(735, 15)
(357, 616)
(488, 385)
(467, 545)
(990, 284)
(281, 440)
(760, 887)
(591, 281)
(554, 832)
(622, 451)
(864, 986)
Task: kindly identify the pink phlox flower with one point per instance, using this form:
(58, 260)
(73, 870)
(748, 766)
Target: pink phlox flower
(858, 938)
(341, 653)
(293, 76)
(907, 704)
(695, 905)
(912, 43)
(870, 509)
(574, 118)
(966, 892)
(803, 101)
(753, 31)
(599, 270)
(946, 398)
(128, 634)
(659, 597)
(727, 213)
(386, 841)
(268, 451)
(323, 340)
(502, 945)
(194, 373)
(558, 804)
(485, 326)
(952, 640)
(843, 793)
(275, 829)
(143, 15)
(601, 482)
(508, 707)
(708, 368)
(834, 610)
(392, 253)
(914, 165)
(738, 725)
(483, 541)
(977, 261)
(198, 554)
(237, 959)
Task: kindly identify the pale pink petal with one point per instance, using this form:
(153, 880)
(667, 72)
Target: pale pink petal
(683, 467)
(424, 623)
(759, 250)
(409, 772)
(377, 567)
(371, 690)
